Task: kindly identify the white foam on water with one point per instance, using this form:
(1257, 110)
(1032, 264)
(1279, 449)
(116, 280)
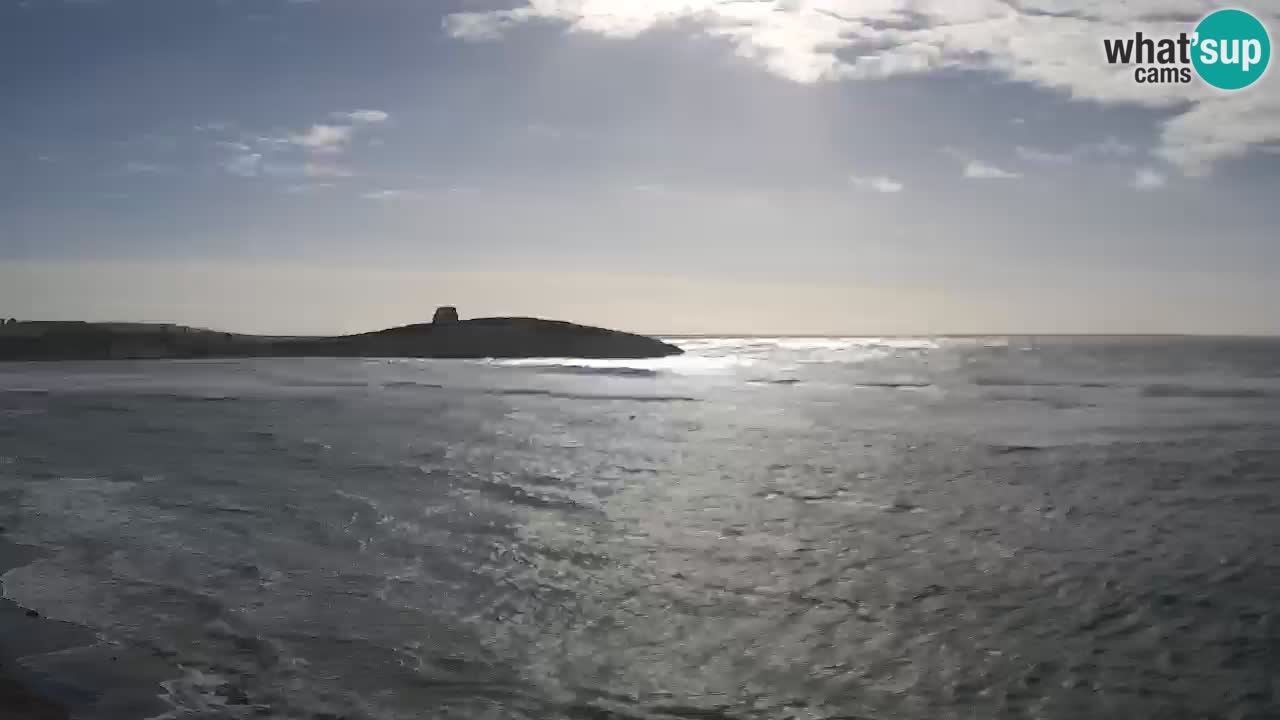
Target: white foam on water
(715, 356)
(195, 692)
(688, 364)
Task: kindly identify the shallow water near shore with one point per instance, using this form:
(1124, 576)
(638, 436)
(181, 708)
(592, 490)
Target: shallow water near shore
(761, 528)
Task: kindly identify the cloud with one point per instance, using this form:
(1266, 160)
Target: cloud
(977, 170)
(485, 25)
(1148, 179)
(323, 138)
(363, 117)
(318, 170)
(329, 138)
(244, 164)
(312, 153)
(383, 195)
(271, 143)
(1108, 148)
(1055, 45)
(878, 183)
(1031, 154)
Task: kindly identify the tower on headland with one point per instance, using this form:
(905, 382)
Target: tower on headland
(445, 314)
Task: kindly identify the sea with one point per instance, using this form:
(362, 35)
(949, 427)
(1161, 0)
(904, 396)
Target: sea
(762, 528)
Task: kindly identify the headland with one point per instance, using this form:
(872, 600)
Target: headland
(446, 336)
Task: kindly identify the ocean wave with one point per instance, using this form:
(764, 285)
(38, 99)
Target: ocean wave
(1192, 391)
(997, 381)
(584, 370)
(106, 407)
(324, 383)
(688, 364)
(398, 384)
(538, 499)
(187, 397)
(1015, 449)
(532, 392)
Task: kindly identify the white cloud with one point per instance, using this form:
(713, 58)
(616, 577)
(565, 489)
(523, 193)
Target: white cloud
(484, 25)
(363, 117)
(318, 170)
(1053, 44)
(271, 143)
(329, 138)
(383, 195)
(244, 164)
(877, 183)
(1108, 148)
(1031, 154)
(1148, 179)
(323, 138)
(309, 154)
(977, 170)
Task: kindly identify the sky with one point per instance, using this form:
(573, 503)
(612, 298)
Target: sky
(663, 166)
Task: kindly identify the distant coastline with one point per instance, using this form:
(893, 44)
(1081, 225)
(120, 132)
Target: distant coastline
(445, 337)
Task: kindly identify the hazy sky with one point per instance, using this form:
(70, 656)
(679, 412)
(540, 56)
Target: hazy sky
(768, 166)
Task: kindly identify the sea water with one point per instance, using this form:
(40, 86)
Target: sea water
(760, 528)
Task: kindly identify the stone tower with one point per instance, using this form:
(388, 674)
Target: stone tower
(445, 314)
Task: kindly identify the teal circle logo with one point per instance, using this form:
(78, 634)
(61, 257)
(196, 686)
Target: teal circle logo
(1232, 49)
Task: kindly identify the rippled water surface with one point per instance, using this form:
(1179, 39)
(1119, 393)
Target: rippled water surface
(762, 528)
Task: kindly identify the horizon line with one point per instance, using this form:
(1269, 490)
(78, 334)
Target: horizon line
(784, 335)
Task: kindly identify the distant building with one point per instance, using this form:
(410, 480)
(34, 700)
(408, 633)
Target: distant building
(445, 314)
